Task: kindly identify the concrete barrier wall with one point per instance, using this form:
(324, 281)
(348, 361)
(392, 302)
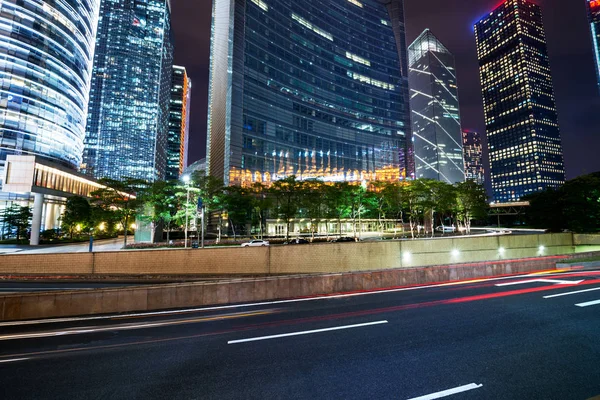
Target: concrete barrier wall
(148, 298)
(317, 258)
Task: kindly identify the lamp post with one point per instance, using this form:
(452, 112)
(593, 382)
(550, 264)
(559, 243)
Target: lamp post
(186, 180)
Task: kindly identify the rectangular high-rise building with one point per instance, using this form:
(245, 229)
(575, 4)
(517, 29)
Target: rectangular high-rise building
(520, 109)
(179, 123)
(435, 114)
(593, 8)
(127, 124)
(314, 88)
(473, 157)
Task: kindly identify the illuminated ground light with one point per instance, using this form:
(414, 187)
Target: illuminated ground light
(455, 253)
(406, 256)
(501, 251)
(542, 249)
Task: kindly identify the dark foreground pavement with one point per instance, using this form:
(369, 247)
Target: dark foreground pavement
(474, 340)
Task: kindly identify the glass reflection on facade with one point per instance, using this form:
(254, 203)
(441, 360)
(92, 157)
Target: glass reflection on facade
(435, 115)
(520, 109)
(473, 157)
(593, 7)
(127, 127)
(313, 88)
(179, 123)
(46, 50)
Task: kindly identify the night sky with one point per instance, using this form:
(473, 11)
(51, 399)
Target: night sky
(569, 44)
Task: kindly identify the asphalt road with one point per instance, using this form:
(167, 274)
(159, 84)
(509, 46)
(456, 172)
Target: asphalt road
(469, 341)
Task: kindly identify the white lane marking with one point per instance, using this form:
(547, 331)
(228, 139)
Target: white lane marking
(570, 293)
(448, 392)
(337, 328)
(589, 303)
(265, 303)
(555, 281)
(13, 360)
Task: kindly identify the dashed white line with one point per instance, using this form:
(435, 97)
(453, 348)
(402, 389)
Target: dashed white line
(337, 328)
(13, 360)
(589, 303)
(448, 392)
(570, 293)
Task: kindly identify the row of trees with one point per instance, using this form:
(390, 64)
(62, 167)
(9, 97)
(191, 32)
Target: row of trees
(244, 210)
(575, 206)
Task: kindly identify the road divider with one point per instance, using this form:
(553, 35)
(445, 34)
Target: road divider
(47, 305)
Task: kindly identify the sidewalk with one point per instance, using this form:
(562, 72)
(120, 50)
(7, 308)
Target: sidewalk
(100, 245)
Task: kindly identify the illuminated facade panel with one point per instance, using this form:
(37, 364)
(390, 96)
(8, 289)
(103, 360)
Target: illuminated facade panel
(435, 115)
(520, 109)
(46, 50)
(473, 157)
(316, 89)
(127, 126)
(179, 123)
(593, 7)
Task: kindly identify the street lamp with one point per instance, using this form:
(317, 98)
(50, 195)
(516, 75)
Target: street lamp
(186, 180)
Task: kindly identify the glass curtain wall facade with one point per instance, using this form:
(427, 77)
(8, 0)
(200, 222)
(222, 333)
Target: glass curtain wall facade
(46, 51)
(473, 157)
(520, 109)
(313, 88)
(127, 127)
(593, 7)
(435, 114)
(179, 123)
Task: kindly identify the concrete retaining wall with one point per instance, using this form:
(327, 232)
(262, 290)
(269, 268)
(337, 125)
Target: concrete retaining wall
(317, 258)
(146, 298)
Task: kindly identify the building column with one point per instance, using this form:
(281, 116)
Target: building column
(36, 221)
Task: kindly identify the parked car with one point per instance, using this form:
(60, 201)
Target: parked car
(446, 229)
(256, 243)
(344, 239)
(298, 241)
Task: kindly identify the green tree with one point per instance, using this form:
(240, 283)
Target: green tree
(77, 216)
(472, 203)
(238, 203)
(338, 200)
(119, 199)
(287, 194)
(18, 219)
(262, 202)
(157, 202)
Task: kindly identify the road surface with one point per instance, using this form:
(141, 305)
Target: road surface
(528, 337)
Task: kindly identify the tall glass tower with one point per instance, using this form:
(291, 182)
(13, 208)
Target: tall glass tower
(46, 51)
(435, 115)
(593, 7)
(520, 109)
(312, 88)
(179, 123)
(127, 126)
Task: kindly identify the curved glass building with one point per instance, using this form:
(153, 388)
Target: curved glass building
(46, 51)
(312, 88)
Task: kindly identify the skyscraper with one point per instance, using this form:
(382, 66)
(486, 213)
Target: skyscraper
(312, 88)
(46, 51)
(179, 123)
(473, 157)
(520, 109)
(593, 7)
(435, 113)
(127, 125)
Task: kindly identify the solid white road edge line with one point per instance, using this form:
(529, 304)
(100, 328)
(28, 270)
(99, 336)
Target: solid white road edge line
(265, 303)
(337, 328)
(13, 360)
(589, 303)
(448, 392)
(570, 293)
